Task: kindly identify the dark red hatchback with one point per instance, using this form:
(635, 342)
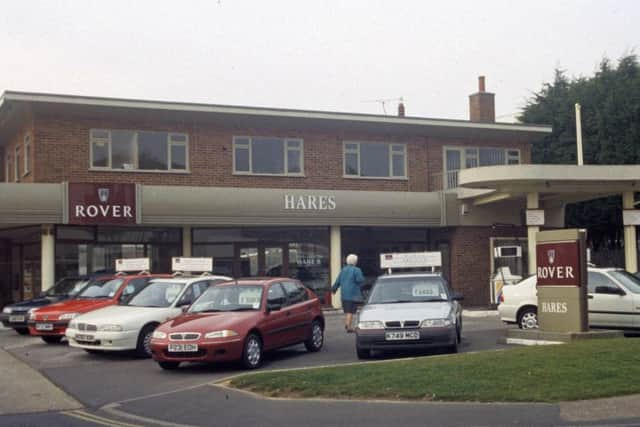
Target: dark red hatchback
(240, 320)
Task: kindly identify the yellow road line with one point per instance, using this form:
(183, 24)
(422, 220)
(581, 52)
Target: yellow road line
(86, 416)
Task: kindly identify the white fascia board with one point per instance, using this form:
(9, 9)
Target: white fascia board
(269, 112)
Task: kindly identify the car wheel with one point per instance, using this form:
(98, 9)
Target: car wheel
(528, 319)
(51, 339)
(22, 331)
(315, 342)
(363, 353)
(169, 366)
(252, 353)
(453, 348)
(143, 348)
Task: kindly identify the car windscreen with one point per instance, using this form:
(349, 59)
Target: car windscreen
(157, 294)
(69, 286)
(229, 298)
(101, 289)
(408, 289)
(631, 282)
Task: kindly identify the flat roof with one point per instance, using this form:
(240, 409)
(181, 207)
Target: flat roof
(139, 104)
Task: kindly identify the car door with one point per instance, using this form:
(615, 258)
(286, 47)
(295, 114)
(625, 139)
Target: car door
(300, 309)
(276, 328)
(609, 305)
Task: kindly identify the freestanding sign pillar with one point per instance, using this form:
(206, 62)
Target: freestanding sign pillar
(562, 280)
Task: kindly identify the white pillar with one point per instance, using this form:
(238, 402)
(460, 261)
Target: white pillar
(630, 245)
(533, 202)
(186, 241)
(47, 257)
(335, 261)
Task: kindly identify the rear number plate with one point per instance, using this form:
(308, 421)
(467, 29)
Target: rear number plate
(402, 335)
(44, 326)
(89, 338)
(182, 348)
(16, 318)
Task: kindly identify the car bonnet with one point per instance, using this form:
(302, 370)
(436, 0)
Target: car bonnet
(406, 311)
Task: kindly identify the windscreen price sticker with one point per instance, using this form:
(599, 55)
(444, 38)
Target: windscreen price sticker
(424, 290)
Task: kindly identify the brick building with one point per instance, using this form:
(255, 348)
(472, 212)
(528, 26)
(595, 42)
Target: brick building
(263, 191)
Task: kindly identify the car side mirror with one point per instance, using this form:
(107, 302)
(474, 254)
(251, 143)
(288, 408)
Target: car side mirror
(457, 296)
(184, 308)
(273, 306)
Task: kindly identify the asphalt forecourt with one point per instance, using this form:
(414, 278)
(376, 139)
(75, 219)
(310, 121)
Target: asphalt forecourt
(582, 370)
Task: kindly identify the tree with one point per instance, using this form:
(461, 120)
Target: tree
(610, 103)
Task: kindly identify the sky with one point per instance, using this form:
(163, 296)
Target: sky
(311, 54)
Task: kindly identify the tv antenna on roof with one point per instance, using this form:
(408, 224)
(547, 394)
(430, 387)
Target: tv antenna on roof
(383, 102)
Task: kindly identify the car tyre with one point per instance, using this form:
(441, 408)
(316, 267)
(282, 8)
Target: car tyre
(316, 340)
(22, 331)
(252, 352)
(528, 319)
(143, 347)
(363, 353)
(51, 339)
(169, 366)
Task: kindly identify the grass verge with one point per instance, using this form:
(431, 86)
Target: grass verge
(581, 370)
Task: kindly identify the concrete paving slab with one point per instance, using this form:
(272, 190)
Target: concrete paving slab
(601, 409)
(25, 390)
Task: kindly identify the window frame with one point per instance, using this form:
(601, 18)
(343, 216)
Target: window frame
(390, 154)
(463, 156)
(27, 155)
(108, 140)
(235, 143)
(16, 164)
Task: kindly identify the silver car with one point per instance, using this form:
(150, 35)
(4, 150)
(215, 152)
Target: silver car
(409, 311)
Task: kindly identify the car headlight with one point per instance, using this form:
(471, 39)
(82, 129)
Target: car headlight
(436, 323)
(221, 334)
(159, 335)
(6, 310)
(110, 328)
(68, 316)
(32, 314)
(370, 324)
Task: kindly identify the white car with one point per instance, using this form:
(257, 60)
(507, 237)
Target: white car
(613, 300)
(130, 326)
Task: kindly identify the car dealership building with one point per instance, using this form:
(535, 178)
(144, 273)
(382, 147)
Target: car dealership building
(276, 192)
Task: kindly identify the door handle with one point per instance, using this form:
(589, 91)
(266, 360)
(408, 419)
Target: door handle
(590, 296)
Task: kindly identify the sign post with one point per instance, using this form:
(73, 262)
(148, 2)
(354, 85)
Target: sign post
(562, 281)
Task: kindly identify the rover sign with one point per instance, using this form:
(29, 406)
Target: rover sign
(558, 264)
(102, 203)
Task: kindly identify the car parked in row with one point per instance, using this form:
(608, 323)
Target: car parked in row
(130, 324)
(50, 322)
(240, 320)
(16, 315)
(613, 300)
(409, 311)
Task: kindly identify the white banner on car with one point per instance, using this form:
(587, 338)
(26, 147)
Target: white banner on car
(189, 264)
(133, 264)
(411, 260)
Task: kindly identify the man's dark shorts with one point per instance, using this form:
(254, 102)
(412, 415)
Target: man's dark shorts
(349, 306)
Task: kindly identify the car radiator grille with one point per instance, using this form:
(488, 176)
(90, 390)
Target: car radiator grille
(87, 327)
(401, 324)
(184, 336)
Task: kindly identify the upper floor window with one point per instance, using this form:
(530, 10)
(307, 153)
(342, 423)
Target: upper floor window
(457, 158)
(375, 160)
(27, 154)
(139, 150)
(268, 156)
(16, 165)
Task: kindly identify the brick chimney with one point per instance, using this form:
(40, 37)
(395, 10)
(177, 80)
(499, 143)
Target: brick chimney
(401, 109)
(482, 105)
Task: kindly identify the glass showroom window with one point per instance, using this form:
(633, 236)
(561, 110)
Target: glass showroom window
(27, 154)
(375, 160)
(268, 156)
(139, 150)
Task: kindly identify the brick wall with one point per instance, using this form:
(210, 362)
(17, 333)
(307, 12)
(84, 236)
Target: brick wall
(471, 260)
(63, 155)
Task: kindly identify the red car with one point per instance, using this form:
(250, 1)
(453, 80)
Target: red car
(50, 322)
(240, 320)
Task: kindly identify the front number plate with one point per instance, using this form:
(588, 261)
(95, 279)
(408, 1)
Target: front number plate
(16, 318)
(182, 348)
(402, 335)
(88, 338)
(44, 326)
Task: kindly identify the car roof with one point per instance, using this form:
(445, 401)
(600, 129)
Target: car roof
(258, 280)
(409, 275)
(190, 279)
